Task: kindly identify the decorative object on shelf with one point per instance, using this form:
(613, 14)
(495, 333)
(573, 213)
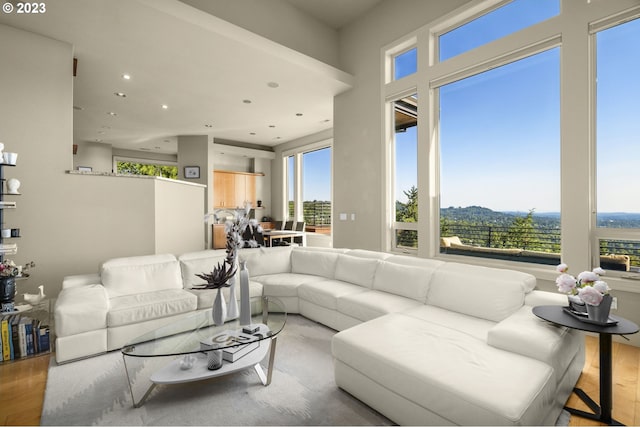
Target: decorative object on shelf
(8, 273)
(12, 186)
(1, 154)
(6, 232)
(10, 158)
(259, 203)
(35, 298)
(589, 288)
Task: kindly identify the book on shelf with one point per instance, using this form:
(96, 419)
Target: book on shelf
(22, 336)
(244, 344)
(6, 343)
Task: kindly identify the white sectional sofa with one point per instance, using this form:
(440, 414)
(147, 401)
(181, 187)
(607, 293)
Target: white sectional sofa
(421, 341)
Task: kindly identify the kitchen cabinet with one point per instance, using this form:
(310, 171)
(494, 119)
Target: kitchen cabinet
(232, 190)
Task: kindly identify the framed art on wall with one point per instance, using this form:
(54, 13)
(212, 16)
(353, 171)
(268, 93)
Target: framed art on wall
(192, 172)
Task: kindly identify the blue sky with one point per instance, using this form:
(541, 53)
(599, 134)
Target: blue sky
(500, 130)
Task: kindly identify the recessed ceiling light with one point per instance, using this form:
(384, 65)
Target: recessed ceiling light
(272, 126)
(278, 137)
(299, 114)
(112, 114)
(101, 132)
(273, 84)
(326, 121)
(165, 106)
(208, 125)
(246, 101)
(97, 140)
(157, 148)
(167, 140)
(120, 94)
(252, 133)
(105, 127)
(76, 107)
(126, 76)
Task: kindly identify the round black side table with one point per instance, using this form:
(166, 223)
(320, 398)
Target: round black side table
(558, 315)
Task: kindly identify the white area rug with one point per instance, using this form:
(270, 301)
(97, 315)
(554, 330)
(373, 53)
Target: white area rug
(302, 392)
(95, 391)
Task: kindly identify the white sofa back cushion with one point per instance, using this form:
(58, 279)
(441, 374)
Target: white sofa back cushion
(262, 261)
(404, 280)
(138, 274)
(317, 263)
(487, 293)
(193, 263)
(356, 270)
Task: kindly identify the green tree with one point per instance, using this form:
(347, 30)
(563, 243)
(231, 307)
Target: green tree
(132, 168)
(522, 233)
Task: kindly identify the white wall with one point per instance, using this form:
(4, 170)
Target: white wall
(95, 155)
(69, 223)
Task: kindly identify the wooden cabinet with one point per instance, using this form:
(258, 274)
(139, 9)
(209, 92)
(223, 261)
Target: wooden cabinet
(219, 236)
(232, 190)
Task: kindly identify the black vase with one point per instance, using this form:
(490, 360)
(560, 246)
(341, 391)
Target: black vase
(7, 294)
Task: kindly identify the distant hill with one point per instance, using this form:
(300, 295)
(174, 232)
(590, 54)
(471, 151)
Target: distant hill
(486, 216)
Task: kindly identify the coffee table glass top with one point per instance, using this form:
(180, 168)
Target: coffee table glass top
(185, 335)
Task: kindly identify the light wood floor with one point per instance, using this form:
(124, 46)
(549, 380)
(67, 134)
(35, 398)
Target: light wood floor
(22, 385)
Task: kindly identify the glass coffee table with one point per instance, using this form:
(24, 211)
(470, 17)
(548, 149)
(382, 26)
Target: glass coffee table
(194, 349)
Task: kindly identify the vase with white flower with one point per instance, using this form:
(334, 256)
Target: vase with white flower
(587, 290)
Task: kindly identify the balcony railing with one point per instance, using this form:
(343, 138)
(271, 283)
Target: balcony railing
(538, 245)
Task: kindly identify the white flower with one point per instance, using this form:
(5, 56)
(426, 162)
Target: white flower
(590, 295)
(587, 277)
(599, 271)
(562, 268)
(566, 283)
(601, 287)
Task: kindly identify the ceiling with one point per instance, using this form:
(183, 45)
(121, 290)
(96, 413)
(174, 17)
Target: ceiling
(213, 77)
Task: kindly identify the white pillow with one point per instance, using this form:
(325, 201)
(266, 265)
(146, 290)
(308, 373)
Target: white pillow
(139, 274)
(404, 280)
(359, 271)
(317, 263)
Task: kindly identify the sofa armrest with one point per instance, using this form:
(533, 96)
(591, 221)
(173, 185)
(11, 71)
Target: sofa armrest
(81, 309)
(524, 333)
(537, 297)
(80, 280)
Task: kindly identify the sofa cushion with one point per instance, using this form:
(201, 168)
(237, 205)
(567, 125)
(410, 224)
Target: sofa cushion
(81, 309)
(317, 263)
(356, 270)
(193, 263)
(326, 293)
(371, 304)
(141, 307)
(404, 280)
(140, 274)
(526, 334)
(470, 325)
(284, 284)
(488, 293)
(452, 374)
(262, 261)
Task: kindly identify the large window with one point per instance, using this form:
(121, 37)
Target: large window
(405, 149)
(308, 186)
(500, 162)
(527, 142)
(618, 145)
(491, 26)
(126, 166)
(316, 189)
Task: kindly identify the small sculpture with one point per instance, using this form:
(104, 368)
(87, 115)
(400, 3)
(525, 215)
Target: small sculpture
(35, 298)
(12, 185)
